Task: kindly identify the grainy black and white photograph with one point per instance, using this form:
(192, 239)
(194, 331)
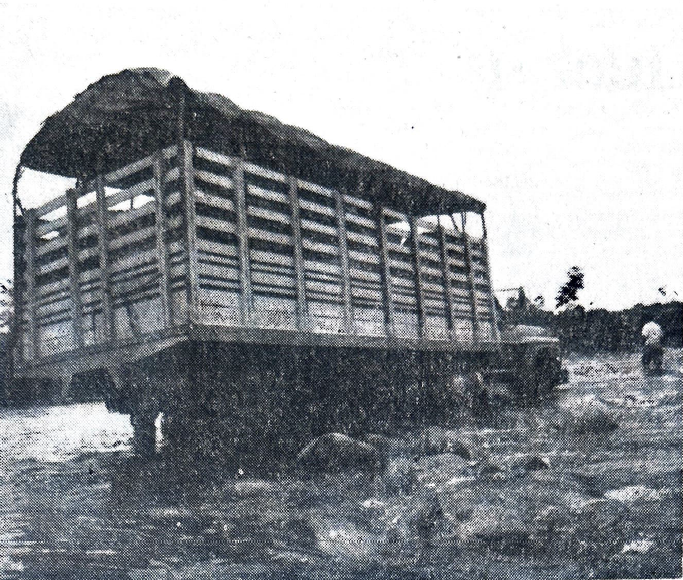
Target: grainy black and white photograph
(360, 290)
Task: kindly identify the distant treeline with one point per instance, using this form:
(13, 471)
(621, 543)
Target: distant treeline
(595, 330)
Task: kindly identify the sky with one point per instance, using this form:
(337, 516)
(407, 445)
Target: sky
(565, 119)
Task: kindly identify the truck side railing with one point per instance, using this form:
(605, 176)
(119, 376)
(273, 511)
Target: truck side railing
(191, 236)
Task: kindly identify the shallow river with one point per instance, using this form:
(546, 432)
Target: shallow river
(587, 484)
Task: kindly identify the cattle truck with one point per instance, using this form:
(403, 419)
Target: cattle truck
(241, 276)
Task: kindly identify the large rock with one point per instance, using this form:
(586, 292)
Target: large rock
(587, 418)
(400, 476)
(335, 453)
(437, 440)
(387, 446)
(445, 468)
(501, 529)
(526, 463)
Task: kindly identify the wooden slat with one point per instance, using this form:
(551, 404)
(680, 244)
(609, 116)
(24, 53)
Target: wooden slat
(320, 247)
(298, 255)
(214, 201)
(242, 233)
(33, 346)
(470, 277)
(220, 272)
(161, 240)
(315, 188)
(330, 289)
(267, 236)
(216, 248)
(427, 241)
(316, 207)
(358, 202)
(276, 259)
(134, 167)
(49, 246)
(215, 157)
(119, 219)
(419, 294)
(270, 279)
(175, 197)
(398, 248)
(172, 175)
(268, 194)
(364, 257)
(50, 206)
(131, 239)
(363, 276)
(74, 286)
(344, 262)
(47, 227)
(360, 220)
(362, 239)
(269, 214)
(446, 273)
(316, 227)
(387, 290)
(190, 228)
(263, 172)
(431, 287)
(426, 269)
(208, 177)
(170, 151)
(315, 266)
(394, 215)
(132, 261)
(215, 224)
(52, 287)
(103, 246)
(126, 194)
(400, 265)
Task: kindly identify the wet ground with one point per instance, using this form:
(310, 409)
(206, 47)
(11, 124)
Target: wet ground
(588, 484)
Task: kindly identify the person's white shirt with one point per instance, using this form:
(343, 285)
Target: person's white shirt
(652, 333)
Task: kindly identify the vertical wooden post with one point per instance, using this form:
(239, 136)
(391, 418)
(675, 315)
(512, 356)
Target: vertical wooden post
(298, 255)
(385, 272)
(492, 297)
(419, 293)
(103, 238)
(30, 298)
(446, 270)
(470, 277)
(344, 262)
(18, 228)
(74, 284)
(161, 239)
(242, 233)
(187, 170)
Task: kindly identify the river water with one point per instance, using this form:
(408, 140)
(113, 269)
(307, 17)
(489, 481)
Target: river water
(587, 484)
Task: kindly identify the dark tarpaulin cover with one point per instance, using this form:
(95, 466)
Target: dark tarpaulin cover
(126, 116)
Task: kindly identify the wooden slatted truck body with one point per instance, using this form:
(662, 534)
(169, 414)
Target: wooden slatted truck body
(222, 247)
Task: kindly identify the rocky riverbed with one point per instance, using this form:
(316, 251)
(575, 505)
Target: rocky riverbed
(586, 484)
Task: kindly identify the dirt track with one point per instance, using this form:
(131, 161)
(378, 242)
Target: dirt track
(587, 484)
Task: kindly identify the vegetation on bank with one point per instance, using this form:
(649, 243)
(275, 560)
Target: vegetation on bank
(598, 330)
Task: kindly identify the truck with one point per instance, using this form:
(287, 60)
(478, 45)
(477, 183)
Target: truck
(245, 278)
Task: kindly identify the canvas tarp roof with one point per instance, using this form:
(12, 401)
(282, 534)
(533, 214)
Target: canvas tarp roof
(125, 116)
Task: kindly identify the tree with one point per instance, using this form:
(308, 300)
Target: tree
(569, 291)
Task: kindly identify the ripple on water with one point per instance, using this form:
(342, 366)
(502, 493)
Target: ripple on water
(633, 493)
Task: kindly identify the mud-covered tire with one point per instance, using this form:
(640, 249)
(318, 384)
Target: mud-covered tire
(547, 370)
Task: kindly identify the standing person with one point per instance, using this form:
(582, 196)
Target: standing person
(653, 351)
